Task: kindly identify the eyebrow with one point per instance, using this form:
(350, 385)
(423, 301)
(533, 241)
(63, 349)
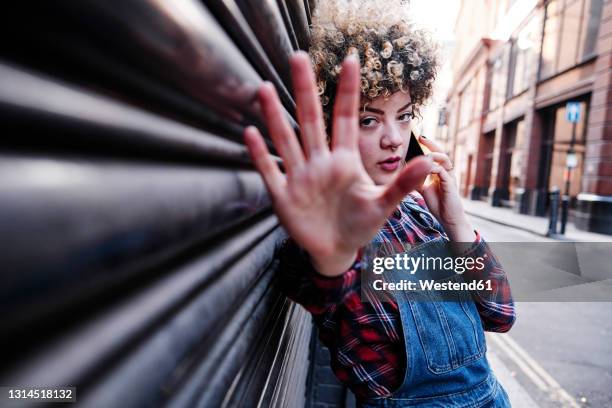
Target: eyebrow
(373, 110)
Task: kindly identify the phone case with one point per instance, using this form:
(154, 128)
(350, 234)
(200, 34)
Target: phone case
(414, 148)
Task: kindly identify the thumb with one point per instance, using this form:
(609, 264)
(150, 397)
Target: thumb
(412, 176)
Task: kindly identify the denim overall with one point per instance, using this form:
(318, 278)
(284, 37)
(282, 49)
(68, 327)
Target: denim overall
(445, 346)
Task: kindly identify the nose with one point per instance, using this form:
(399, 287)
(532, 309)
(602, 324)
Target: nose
(391, 137)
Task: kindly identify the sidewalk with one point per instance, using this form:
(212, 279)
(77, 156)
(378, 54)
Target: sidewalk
(529, 223)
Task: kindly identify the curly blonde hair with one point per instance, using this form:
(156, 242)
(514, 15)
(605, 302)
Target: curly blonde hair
(393, 53)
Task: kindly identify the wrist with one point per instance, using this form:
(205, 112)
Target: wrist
(460, 231)
(335, 264)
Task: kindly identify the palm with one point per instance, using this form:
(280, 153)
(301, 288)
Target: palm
(338, 211)
(326, 200)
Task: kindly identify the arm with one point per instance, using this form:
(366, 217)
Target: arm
(495, 307)
(301, 282)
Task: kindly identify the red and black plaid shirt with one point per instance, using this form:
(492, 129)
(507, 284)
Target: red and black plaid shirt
(365, 338)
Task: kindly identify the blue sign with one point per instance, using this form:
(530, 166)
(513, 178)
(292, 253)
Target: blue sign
(572, 112)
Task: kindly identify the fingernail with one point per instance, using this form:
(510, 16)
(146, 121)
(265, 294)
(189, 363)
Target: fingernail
(300, 54)
(266, 87)
(352, 57)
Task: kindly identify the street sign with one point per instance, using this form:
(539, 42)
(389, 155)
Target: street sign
(572, 112)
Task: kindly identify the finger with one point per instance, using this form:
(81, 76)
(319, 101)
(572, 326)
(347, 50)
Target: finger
(430, 144)
(282, 134)
(411, 177)
(310, 116)
(442, 159)
(267, 167)
(421, 187)
(346, 105)
(443, 174)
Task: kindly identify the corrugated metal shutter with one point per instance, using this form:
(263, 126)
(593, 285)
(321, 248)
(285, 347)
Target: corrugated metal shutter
(137, 241)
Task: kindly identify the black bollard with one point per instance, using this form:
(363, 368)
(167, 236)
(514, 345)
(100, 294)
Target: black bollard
(554, 211)
(564, 212)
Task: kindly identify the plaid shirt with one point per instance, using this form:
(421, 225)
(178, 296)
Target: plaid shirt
(365, 338)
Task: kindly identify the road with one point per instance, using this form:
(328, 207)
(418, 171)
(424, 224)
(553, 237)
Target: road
(556, 354)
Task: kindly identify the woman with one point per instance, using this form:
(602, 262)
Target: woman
(338, 197)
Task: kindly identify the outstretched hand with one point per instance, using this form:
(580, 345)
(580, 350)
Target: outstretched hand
(326, 200)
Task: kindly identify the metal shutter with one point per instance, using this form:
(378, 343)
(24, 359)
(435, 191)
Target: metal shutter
(137, 241)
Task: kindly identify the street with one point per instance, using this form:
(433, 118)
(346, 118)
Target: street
(556, 354)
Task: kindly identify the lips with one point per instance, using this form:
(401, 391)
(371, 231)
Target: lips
(390, 163)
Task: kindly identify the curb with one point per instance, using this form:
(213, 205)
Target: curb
(507, 224)
(519, 397)
(539, 233)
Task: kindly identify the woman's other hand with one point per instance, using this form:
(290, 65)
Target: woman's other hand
(442, 195)
(325, 200)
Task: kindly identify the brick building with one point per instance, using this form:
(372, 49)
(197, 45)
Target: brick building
(516, 66)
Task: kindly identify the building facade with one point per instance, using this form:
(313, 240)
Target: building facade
(508, 128)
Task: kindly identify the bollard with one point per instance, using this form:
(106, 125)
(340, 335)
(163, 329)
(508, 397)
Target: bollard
(554, 211)
(564, 212)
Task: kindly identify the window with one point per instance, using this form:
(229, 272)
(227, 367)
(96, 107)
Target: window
(523, 56)
(479, 92)
(563, 128)
(493, 96)
(466, 109)
(560, 144)
(551, 40)
(570, 34)
(499, 67)
(516, 70)
(590, 28)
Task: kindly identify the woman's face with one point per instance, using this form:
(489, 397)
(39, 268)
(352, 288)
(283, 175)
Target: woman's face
(384, 134)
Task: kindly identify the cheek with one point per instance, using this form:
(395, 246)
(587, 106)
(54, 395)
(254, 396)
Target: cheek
(368, 149)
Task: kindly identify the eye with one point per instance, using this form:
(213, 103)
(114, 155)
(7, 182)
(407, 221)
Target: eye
(368, 122)
(406, 117)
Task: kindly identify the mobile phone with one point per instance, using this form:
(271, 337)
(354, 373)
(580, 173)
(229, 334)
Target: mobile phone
(414, 148)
